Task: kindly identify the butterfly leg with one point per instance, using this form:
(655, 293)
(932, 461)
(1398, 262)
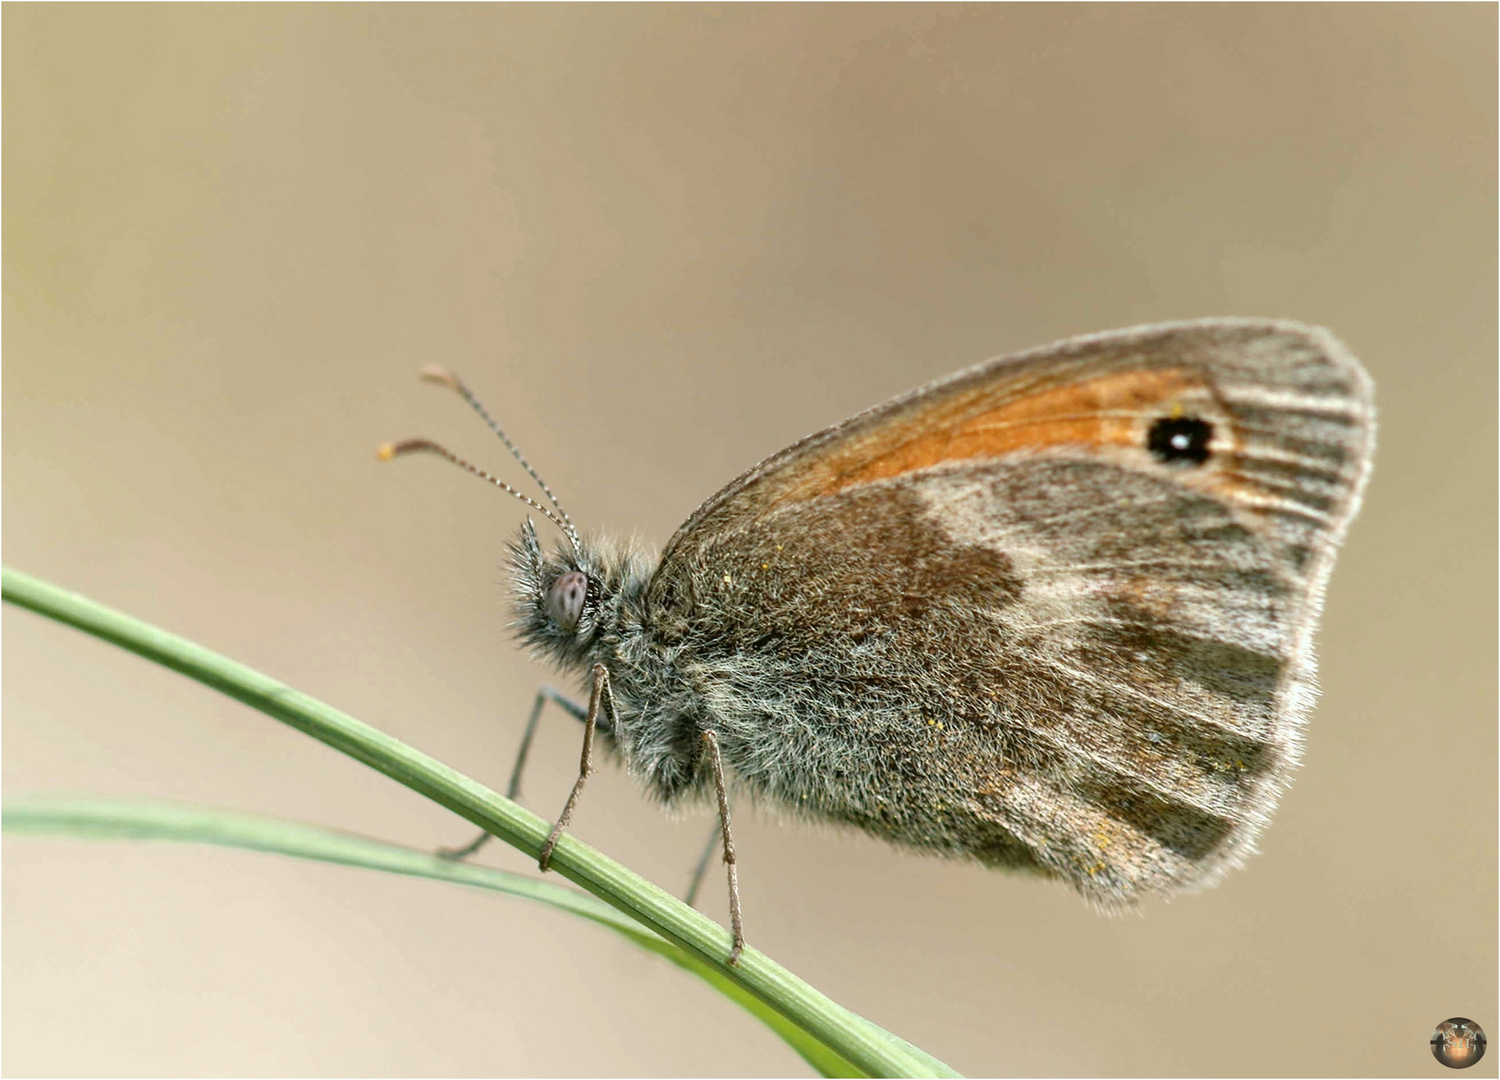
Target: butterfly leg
(736, 924)
(602, 696)
(513, 789)
(690, 898)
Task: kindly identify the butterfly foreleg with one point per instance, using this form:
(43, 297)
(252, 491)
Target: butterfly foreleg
(513, 789)
(601, 697)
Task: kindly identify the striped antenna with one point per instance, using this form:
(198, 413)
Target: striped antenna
(433, 373)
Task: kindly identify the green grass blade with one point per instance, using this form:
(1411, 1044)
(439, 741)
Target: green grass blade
(868, 1047)
(112, 819)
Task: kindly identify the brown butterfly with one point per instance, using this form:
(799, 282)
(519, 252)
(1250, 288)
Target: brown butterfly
(1053, 613)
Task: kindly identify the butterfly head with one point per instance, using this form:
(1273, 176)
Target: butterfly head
(575, 603)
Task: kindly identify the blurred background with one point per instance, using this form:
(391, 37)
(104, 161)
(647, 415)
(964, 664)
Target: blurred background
(663, 242)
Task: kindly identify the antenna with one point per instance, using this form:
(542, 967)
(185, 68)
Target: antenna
(433, 373)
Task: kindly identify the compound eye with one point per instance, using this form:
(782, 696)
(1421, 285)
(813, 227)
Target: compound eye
(565, 599)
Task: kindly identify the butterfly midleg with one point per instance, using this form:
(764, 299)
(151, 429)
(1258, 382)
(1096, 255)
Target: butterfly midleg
(736, 925)
(602, 696)
(513, 789)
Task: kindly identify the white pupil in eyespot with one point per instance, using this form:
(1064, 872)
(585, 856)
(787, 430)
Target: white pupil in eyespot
(565, 599)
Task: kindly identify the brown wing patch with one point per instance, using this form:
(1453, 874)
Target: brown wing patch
(1107, 411)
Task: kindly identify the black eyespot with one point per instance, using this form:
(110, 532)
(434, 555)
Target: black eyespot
(1180, 440)
(565, 599)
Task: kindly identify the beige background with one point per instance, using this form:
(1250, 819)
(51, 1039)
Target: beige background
(664, 242)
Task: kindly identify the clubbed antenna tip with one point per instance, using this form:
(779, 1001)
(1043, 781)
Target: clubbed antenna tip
(434, 373)
(395, 449)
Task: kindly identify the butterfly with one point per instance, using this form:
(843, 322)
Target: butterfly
(1053, 613)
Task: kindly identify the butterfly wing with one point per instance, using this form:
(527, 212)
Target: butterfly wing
(1052, 612)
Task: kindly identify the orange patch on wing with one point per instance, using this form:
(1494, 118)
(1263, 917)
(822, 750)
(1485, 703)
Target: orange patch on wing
(983, 423)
